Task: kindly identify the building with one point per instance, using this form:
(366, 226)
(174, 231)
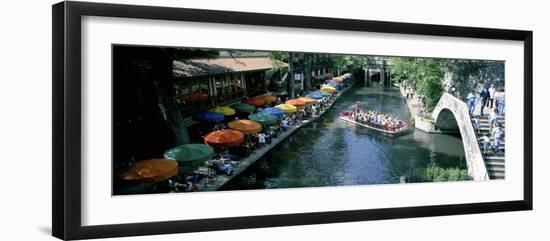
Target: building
(204, 83)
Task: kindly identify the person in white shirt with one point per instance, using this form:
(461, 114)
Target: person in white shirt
(486, 143)
(261, 139)
(500, 102)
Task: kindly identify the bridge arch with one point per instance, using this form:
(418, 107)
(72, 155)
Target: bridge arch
(451, 115)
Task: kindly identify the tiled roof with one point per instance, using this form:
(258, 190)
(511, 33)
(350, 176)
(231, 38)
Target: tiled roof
(200, 67)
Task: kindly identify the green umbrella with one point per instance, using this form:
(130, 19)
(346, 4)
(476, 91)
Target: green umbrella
(242, 107)
(263, 118)
(324, 94)
(194, 153)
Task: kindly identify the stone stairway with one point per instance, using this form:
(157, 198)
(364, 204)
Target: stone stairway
(494, 162)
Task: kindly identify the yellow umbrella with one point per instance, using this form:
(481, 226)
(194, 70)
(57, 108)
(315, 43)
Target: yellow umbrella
(245, 126)
(288, 108)
(328, 89)
(223, 110)
(307, 100)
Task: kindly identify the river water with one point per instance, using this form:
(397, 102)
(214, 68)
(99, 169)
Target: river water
(331, 152)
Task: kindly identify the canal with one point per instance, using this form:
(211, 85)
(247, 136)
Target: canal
(331, 152)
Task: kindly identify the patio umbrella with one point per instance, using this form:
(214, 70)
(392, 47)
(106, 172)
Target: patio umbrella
(242, 107)
(335, 85)
(223, 110)
(333, 81)
(269, 98)
(287, 108)
(325, 94)
(328, 89)
(264, 118)
(274, 111)
(255, 101)
(245, 126)
(208, 116)
(150, 171)
(307, 100)
(194, 153)
(224, 138)
(295, 102)
(314, 95)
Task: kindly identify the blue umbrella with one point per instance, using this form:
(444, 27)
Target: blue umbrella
(274, 111)
(209, 116)
(335, 85)
(314, 95)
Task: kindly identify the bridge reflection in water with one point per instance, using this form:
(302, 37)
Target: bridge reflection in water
(331, 152)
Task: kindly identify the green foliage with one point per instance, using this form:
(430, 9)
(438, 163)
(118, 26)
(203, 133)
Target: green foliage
(434, 173)
(347, 63)
(424, 75)
(278, 58)
(467, 74)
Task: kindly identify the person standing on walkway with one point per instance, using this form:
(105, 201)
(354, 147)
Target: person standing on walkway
(486, 143)
(261, 139)
(493, 119)
(484, 95)
(357, 107)
(500, 101)
(492, 92)
(476, 124)
(471, 102)
(498, 133)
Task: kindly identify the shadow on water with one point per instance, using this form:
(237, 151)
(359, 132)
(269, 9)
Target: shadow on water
(331, 152)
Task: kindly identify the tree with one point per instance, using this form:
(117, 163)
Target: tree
(423, 74)
(153, 67)
(468, 74)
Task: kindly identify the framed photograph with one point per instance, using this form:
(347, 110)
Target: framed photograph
(170, 120)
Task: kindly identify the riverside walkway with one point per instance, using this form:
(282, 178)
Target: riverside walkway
(218, 181)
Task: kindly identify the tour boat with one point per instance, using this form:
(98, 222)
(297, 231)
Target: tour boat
(346, 116)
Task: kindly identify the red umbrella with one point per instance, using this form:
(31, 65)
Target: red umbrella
(295, 102)
(256, 101)
(224, 138)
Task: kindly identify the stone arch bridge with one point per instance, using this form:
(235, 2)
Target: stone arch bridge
(451, 115)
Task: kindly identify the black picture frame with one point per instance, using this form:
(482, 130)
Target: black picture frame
(66, 47)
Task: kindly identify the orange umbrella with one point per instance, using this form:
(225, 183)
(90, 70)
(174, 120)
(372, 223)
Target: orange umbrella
(224, 138)
(269, 98)
(255, 101)
(152, 170)
(295, 102)
(307, 100)
(246, 126)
